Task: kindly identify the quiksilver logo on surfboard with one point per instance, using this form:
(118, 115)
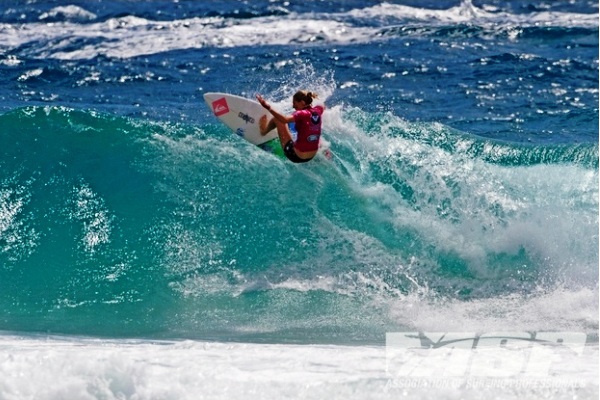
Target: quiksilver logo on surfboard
(220, 107)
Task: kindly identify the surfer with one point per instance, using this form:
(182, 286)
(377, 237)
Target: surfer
(308, 124)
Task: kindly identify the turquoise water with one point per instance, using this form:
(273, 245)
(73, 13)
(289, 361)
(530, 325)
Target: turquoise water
(113, 226)
(147, 252)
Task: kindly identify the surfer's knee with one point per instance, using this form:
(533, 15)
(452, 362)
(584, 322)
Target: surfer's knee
(264, 126)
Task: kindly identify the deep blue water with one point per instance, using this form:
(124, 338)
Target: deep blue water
(465, 173)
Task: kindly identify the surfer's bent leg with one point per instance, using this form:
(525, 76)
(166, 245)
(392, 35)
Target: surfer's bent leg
(283, 131)
(264, 126)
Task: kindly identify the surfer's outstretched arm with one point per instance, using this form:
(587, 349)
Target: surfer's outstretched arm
(276, 114)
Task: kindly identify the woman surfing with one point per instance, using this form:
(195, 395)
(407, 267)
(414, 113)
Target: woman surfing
(308, 124)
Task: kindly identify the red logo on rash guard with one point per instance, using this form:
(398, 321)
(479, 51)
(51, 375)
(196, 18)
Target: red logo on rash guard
(220, 107)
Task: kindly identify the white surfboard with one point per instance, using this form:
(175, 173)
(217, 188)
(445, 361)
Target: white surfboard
(239, 114)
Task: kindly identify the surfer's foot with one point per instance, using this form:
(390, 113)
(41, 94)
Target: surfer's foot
(264, 126)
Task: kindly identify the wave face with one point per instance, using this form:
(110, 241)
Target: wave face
(119, 227)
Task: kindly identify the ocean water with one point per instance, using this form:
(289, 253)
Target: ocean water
(146, 252)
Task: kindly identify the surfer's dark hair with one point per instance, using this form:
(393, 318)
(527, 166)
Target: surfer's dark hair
(303, 95)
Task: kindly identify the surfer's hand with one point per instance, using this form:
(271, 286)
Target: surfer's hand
(263, 102)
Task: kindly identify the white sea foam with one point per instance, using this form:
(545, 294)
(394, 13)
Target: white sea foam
(89, 209)
(70, 12)
(30, 74)
(9, 209)
(131, 36)
(75, 368)
(467, 13)
(16, 237)
(468, 206)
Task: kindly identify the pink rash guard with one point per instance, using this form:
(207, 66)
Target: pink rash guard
(308, 125)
